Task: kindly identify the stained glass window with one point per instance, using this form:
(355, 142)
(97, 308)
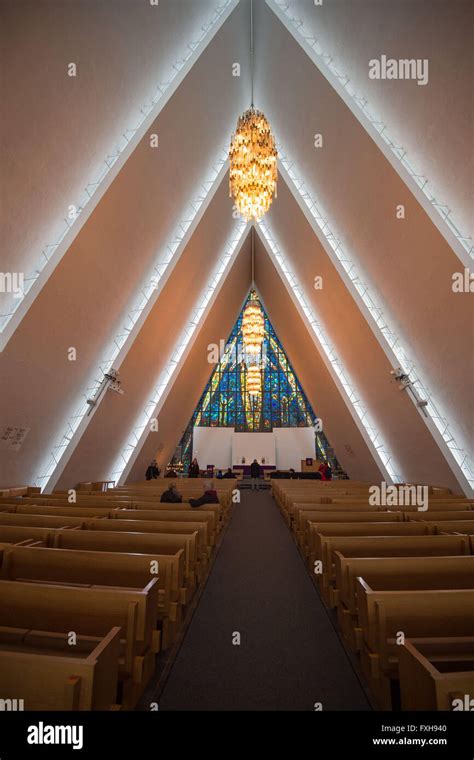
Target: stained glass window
(225, 401)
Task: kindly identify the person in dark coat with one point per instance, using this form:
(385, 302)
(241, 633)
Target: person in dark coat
(228, 473)
(171, 495)
(194, 469)
(209, 496)
(255, 474)
(153, 471)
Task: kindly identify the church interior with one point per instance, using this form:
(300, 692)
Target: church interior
(236, 352)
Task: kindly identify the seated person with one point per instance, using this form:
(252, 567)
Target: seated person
(171, 495)
(209, 496)
(228, 473)
(219, 475)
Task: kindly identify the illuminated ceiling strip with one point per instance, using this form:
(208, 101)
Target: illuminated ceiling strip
(53, 252)
(439, 213)
(455, 455)
(117, 350)
(360, 414)
(141, 429)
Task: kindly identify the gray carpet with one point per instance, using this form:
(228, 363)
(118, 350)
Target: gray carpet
(289, 657)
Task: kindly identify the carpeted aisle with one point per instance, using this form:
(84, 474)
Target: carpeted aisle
(289, 657)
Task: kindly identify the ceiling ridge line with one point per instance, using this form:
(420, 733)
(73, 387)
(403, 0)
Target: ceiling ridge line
(140, 431)
(381, 454)
(373, 312)
(52, 253)
(141, 304)
(419, 185)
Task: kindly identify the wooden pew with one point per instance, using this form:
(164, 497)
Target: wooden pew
(384, 615)
(13, 534)
(81, 508)
(141, 543)
(68, 511)
(303, 518)
(434, 673)
(196, 550)
(441, 506)
(91, 611)
(204, 522)
(386, 546)
(108, 503)
(454, 526)
(174, 516)
(316, 530)
(393, 574)
(397, 573)
(42, 521)
(324, 504)
(441, 515)
(197, 531)
(105, 569)
(48, 674)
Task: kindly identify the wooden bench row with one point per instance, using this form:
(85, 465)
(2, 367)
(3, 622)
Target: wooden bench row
(403, 585)
(91, 593)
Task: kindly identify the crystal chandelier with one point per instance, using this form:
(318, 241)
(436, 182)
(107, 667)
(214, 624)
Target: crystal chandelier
(253, 328)
(254, 380)
(253, 165)
(253, 334)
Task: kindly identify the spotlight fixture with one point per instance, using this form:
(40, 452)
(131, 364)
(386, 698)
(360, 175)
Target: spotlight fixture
(111, 381)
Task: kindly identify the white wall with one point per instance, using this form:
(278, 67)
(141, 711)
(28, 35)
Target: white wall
(284, 447)
(253, 446)
(293, 445)
(213, 446)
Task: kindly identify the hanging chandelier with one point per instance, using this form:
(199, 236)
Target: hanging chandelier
(253, 165)
(253, 328)
(253, 334)
(254, 380)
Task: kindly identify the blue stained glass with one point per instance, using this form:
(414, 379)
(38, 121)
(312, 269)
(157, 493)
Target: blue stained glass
(226, 403)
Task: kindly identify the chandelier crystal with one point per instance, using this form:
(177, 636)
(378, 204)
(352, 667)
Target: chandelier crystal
(253, 165)
(254, 380)
(253, 335)
(253, 328)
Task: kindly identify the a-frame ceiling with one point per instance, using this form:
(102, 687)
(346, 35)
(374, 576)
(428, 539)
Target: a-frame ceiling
(171, 204)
